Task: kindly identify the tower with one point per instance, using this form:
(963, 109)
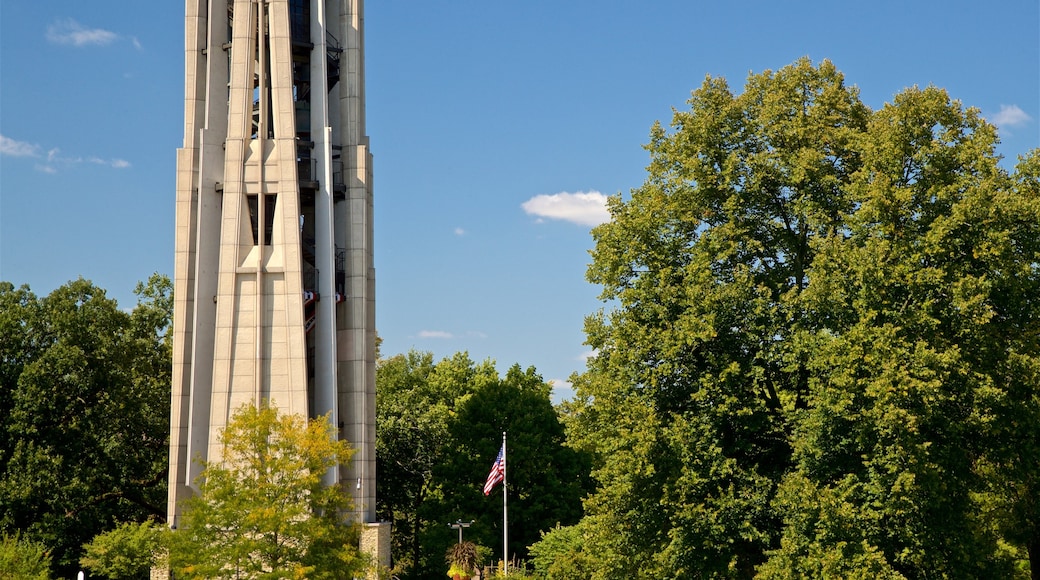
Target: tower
(274, 284)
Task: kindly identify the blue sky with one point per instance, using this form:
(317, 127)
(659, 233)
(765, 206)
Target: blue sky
(497, 128)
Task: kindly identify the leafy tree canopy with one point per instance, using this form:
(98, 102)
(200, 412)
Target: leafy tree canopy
(263, 511)
(126, 553)
(23, 559)
(84, 413)
(415, 405)
(439, 429)
(822, 355)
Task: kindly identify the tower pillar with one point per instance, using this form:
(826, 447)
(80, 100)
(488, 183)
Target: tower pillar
(274, 281)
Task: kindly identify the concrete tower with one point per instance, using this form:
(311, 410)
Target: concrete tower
(274, 283)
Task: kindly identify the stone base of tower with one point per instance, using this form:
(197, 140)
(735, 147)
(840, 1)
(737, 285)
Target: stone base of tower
(375, 542)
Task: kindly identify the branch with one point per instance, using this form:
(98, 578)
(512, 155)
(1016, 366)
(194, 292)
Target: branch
(105, 497)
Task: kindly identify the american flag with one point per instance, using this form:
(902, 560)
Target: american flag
(498, 471)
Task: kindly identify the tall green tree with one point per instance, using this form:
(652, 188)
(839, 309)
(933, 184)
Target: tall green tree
(904, 377)
(1011, 466)
(823, 336)
(692, 395)
(439, 429)
(263, 511)
(546, 480)
(415, 406)
(84, 413)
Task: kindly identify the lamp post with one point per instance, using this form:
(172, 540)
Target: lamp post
(459, 525)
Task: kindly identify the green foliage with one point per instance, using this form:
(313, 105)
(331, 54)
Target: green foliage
(439, 427)
(822, 357)
(825, 535)
(1012, 469)
(560, 554)
(84, 413)
(906, 384)
(263, 511)
(22, 559)
(546, 479)
(125, 553)
(516, 571)
(414, 406)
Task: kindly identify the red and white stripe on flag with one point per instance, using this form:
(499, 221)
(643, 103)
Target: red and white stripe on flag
(498, 471)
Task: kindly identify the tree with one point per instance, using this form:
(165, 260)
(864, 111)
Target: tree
(1011, 466)
(126, 552)
(439, 428)
(263, 510)
(805, 368)
(84, 413)
(904, 379)
(559, 554)
(546, 479)
(693, 392)
(415, 406)
(23, 559)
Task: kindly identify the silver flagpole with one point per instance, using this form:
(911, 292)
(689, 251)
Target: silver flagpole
(505, 508)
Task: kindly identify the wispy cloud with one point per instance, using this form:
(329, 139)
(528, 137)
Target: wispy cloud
(113, 163)
(52, 159)
(435, 334)
(460, 232)
(70, 32)
(1010, 116)
(16, 148)
(582, 208)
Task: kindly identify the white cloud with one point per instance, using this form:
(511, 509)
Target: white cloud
(15, 148)
(69, 31)
(1010, 116)
(561, 390)
(53, 158)
(560, 384)
(435, 334)
(460, 232)
(582, 208)
(113, 163)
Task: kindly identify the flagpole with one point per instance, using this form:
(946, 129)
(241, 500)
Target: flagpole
(505, 508)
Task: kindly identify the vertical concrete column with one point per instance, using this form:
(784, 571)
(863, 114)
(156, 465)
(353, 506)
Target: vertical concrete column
(355, 341)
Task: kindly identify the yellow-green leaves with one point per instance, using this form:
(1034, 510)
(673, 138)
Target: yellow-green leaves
(263, 510)
(823, 323)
